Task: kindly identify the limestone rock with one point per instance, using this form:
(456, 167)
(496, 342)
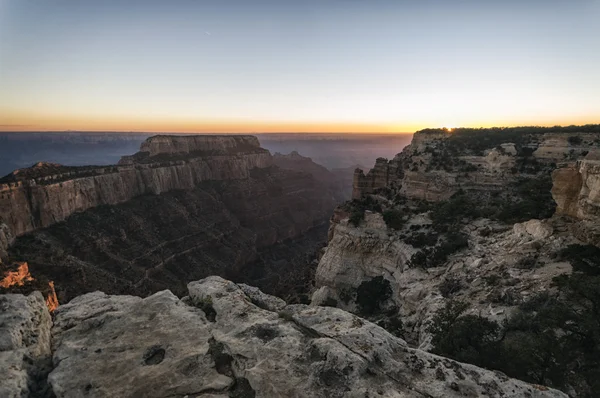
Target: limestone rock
(227, 346)
(576, 190)
(24, 345)
(535, 229)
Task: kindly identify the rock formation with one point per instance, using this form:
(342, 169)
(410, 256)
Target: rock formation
(228, 340)
(464, 216)
(25, 357)
(576, 190)
(180, 209)
(439, 162)
(27, 204)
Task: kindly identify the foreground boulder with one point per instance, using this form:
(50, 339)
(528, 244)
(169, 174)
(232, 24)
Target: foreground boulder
(25, 356)
(232, 340)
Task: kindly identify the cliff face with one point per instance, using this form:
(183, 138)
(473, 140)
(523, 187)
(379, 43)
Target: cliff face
(157, 223)
(233, 340)
(29, 204)
(436, 164)
(467, 217)
(170, 146)
(576, 190)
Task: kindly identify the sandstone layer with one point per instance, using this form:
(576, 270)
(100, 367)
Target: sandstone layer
(228, 340)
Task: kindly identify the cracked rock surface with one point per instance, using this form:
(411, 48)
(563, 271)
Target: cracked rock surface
(24, 345)
(226, 340)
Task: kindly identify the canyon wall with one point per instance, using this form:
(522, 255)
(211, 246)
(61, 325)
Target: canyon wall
(466, 217)
(438, 163)
(29, 204)
(576, 191)
(182, 208)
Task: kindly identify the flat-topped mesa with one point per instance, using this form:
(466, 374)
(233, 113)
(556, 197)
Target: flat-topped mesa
(439, 162)
(48, 193)
(165, 147)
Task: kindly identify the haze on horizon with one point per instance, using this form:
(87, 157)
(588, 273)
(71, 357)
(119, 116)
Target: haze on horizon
(310, 66)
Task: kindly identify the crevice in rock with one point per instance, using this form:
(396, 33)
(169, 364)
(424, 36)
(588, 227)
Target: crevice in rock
(206, 305)
(241, 387)
(154, 355)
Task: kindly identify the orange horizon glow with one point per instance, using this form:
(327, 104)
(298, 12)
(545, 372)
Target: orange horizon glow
(31, 123)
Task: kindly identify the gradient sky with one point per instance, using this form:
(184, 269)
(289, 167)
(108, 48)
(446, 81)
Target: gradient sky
(330, 65)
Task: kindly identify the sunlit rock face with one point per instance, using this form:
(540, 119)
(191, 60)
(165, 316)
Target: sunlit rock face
(17, 279)
(232, 340)
(576, 190)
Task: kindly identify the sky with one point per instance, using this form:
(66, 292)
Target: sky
(277, 66)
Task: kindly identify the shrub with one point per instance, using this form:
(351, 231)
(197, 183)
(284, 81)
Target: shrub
(371, 294)
(393, 219)
(529, 262)
(356, 217)
(583, 258)
(575, 140)
(393, 325)
(451, 243)
(450, 286)
(422, 239)
(552, 340)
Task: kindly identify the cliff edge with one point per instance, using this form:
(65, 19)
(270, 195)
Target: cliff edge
(46, 194)
(228, 340)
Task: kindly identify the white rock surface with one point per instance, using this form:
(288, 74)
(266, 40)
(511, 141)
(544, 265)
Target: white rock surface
(24, 345)
(119, 346)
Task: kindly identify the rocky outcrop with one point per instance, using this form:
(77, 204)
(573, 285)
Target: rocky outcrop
(439, 162)
(576, 190)
(358, 254)
(229, 340)
(461, 216)
(25, 357)
(30, 204)
(380, 176)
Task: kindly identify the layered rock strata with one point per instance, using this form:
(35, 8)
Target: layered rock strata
(437, 163)
(27, 204)
(207, 207)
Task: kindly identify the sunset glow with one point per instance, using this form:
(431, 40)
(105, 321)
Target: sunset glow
(386, 66)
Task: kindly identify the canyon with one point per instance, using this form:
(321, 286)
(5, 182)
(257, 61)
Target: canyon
(182, 208)
(466, 265)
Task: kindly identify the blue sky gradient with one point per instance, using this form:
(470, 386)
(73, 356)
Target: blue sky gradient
(335, 65)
